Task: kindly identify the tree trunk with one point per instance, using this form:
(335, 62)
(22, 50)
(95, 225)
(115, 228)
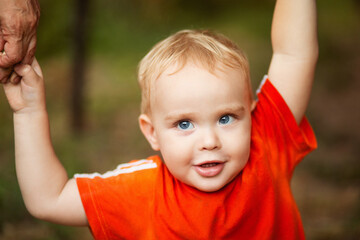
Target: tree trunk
(79, 63)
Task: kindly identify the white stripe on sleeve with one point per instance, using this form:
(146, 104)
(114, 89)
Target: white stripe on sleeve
(122, 169)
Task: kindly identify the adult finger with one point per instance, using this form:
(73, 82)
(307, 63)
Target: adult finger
(30, 51)
(17, 34)
(28, 59)
(2, 43)
(13, 53)
(4, 74)
(4, 71)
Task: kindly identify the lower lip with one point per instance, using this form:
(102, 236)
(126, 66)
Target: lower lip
(209, 171)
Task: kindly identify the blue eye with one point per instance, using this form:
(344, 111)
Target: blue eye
(185, 125)
(226, 119)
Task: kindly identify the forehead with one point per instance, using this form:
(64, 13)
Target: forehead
(194, 85)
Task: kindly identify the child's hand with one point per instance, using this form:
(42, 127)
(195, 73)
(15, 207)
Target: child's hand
(28, 96)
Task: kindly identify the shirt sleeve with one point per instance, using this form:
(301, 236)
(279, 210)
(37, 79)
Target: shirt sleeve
(114, 201)
(287, 142)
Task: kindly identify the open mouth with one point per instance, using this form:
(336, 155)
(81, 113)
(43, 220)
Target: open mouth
(209, 169)
(207, 165)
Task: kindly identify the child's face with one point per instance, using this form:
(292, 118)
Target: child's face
(202, 125)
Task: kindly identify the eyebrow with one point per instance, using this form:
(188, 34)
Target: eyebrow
(232, 108)
(173, 116)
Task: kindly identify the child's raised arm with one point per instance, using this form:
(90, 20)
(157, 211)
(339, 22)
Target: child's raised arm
(295, 52)
(46, 190)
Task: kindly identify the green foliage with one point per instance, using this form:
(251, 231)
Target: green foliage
(120, 32)
(54, 31)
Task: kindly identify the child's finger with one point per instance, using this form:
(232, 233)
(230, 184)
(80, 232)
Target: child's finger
(14, 78)
(37, 67)
(28, 74)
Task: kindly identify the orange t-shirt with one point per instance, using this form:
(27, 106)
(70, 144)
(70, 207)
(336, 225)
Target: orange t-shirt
(142, 200)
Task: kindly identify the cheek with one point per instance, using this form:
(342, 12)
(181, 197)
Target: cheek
(238, 142)
(177, 156)
(175, 148)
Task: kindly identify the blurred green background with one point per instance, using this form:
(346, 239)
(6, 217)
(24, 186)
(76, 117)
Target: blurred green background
(326, 184)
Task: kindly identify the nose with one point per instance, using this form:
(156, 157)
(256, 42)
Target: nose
(209, 139)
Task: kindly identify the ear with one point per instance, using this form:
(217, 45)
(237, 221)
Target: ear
(147, 128)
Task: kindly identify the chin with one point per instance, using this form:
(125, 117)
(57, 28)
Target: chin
(209, 187)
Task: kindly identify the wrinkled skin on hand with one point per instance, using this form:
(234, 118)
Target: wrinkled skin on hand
(18, 23)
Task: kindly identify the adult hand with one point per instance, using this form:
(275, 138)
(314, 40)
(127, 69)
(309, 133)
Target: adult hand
(18, 23)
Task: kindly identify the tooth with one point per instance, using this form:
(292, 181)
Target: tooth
(206, 165)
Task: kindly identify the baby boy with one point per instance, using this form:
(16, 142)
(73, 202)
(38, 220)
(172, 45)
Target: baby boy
(226, 160)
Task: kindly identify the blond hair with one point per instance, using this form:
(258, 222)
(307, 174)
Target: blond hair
(203, 47)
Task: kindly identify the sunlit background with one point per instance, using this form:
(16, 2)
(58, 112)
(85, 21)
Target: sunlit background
(101, 131)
